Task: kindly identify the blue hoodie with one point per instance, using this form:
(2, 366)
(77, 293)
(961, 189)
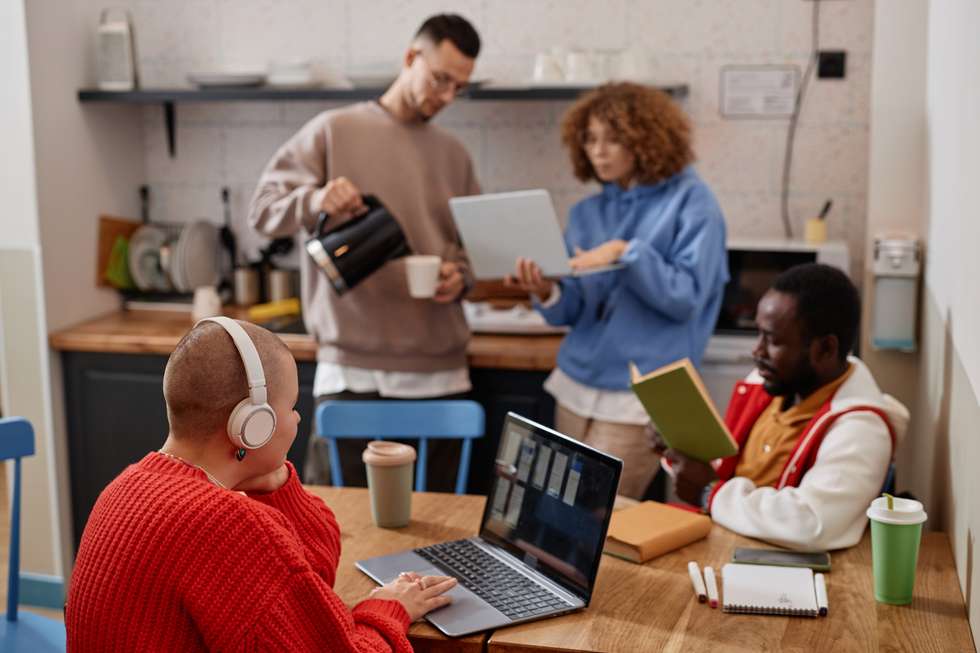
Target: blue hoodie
(663, 304)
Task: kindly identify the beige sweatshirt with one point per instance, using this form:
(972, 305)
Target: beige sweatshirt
(413, 169)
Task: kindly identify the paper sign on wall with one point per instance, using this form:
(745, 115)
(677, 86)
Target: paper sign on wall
(758, 91)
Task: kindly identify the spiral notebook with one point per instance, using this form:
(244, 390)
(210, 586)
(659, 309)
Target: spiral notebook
(764, 589)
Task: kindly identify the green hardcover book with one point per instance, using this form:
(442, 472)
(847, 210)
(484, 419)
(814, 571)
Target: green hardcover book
(682, 411)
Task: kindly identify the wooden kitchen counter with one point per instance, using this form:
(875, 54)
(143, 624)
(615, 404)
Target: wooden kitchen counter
(157, 332)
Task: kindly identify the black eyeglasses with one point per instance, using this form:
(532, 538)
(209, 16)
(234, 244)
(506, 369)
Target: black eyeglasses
(441, 82)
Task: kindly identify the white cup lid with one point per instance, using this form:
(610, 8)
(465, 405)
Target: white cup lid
(906, 511)
(388, 454)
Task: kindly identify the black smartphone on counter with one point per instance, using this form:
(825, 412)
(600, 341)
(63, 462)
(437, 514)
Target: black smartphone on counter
(817, 561)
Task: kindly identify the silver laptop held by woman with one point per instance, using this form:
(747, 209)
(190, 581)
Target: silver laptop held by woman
(497, 228)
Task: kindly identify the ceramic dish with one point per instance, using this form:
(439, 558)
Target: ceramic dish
(200, 256)
(144, 258)
(226, 80)
(177, 264)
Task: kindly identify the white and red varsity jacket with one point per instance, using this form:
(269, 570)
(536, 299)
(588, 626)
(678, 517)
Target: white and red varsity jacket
(837, 468)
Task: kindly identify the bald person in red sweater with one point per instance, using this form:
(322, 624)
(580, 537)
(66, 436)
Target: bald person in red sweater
(211, 543)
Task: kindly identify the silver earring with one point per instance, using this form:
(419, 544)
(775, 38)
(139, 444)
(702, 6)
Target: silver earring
(240, 454)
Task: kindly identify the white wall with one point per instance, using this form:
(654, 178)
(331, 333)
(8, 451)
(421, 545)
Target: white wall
(950, 379)
(69, 164)
(17, 165)
(24, 385)
(89, 159)
(898, 188)
(515, 145)
(925, 162)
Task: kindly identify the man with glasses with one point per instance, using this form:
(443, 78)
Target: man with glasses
(376, 341)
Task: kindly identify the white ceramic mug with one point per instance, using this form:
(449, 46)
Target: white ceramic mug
(422, 273)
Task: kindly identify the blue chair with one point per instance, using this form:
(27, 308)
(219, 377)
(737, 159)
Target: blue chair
(422, 420)
(26, 631)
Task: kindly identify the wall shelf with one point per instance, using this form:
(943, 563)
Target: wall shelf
(169, 98)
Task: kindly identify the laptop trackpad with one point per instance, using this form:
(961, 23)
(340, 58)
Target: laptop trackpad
(468, 613)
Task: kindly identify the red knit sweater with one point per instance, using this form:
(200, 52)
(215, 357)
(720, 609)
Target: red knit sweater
(171, 562)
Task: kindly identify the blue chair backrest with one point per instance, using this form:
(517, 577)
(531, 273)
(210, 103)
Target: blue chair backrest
(421, 420)
(16, 441)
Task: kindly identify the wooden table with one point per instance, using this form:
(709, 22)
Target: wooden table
(651, 607)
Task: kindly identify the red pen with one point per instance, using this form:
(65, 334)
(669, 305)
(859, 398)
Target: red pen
(709, 580)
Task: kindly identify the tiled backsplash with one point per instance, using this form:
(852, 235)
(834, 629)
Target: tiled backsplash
(515, 144)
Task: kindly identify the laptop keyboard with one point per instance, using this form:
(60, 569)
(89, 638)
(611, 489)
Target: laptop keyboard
(510, 592)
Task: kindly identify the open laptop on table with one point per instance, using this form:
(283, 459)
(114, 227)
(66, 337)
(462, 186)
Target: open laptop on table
(497, 228)
(541, 536)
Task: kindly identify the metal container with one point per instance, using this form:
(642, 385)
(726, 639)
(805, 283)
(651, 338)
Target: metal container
(246, 286)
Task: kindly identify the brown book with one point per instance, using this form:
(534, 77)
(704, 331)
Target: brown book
(650, 529)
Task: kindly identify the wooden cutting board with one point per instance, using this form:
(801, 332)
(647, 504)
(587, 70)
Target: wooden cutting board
(110, 228)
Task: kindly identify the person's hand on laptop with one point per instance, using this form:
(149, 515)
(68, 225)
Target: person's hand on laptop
(451, 283)
(605, 254)
(418, 594)
(528, 277)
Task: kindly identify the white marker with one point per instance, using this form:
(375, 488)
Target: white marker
(695, 573)
(821, 594)
(709, 580)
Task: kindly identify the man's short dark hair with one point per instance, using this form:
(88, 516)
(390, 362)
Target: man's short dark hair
(454, 27)
(827, 302)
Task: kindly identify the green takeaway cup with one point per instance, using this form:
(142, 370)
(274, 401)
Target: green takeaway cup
(895, 536)
(389, 476)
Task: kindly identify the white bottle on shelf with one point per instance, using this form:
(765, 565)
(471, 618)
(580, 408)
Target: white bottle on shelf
(116, 51)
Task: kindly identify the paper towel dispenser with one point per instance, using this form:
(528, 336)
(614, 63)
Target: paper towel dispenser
(897, 264)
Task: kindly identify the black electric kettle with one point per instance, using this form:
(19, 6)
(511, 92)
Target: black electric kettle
(356, 248)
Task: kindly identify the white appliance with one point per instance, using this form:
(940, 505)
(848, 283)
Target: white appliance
(898, 261)
(116, 51)
(753, 264)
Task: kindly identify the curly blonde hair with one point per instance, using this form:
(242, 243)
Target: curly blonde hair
(647, 122)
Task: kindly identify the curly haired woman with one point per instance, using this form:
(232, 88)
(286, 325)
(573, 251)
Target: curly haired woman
(658, 220)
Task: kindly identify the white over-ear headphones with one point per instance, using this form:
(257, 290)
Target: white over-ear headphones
(252, 421)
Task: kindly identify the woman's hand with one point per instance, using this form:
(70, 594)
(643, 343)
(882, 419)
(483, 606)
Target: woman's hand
(266, 482)
(605, 254)
(419, 595)
(527, 276)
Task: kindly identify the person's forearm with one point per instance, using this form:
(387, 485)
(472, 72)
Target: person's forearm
(276, 214)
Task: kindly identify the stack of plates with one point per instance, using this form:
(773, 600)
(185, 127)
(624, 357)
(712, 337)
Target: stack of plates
(145, 263)
(197, 257)
(160, 261)
(226, 80)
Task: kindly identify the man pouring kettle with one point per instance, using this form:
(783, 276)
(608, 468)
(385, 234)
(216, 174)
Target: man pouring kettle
(376, 341)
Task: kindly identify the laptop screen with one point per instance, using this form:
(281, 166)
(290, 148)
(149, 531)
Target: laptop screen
(550, 502)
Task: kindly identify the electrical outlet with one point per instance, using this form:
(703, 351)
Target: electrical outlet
(832, 64)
